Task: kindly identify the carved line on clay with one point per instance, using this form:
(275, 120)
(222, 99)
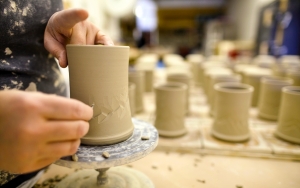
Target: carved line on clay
(110, 105)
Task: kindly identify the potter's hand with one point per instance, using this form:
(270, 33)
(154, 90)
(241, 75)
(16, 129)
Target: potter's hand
(70, 26)
(37, 129)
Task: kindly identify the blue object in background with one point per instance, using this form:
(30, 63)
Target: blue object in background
(290, 21)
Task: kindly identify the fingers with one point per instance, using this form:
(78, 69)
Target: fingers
(65, 130)
(103, 39)
(65, 20)
(60, 108)
(61, 149)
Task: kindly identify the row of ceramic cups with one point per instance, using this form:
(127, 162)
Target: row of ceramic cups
(232, 104)
(231, 112)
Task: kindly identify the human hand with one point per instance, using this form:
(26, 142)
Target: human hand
(37, 129)
(71, 27)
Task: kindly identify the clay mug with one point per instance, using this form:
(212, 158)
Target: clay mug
(214, 79)
(170, 101)
(131, 94)
(138, 78)
(288, 127)
(99, 78)
(147, 64)
(195, 60)
(295, 75)
(213, 71)
(232, 106)
(182, 78)
(270, 96)
(253, 78)
(209, 65)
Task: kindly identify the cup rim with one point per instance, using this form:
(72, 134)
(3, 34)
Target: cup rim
(234, 77)
(229, 87)
(276, 80)
(179, 75)
(171, 86)
(94, 46)
(295, 90)
(136, 73)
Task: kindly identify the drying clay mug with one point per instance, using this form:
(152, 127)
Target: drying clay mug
(170, 109)
(232, 106)
(288, 127)
(214, 79)
(138, 78)
(270, 96)
(99, 78)
(182, 78)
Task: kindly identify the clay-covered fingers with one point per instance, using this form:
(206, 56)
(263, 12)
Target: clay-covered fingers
(60, 108)
(60, 131)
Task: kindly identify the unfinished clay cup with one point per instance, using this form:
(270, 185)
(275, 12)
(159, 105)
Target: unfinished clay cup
(148, 80)
(288, 127)
(99, 78)
(170, 101)
(232, 106)
(253, 78)
(138, 78)
(214, 79)
(131, 94)
(295, 75)
(195, 60)
(213, 71)
(182, 78)
(270, 96)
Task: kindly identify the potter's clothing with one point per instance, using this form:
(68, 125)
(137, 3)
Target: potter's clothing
(24, 62)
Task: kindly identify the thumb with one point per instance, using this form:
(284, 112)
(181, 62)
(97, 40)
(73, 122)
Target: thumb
(59, 30)
(64, 21)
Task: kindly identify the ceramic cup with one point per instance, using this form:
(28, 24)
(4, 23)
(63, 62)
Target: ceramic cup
(213, 71)
(270, 96)
(214, 79)
(195, 60)
(170, 109)
(92, 82)
(182, 78)
(131, 94)
(231, 111)
(138, 77)
(288, 127)
(148, 80)
(295, 75)
(253, 78)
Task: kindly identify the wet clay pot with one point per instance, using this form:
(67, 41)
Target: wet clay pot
(182, 78)
(131, 94)
(232, 106)
(170, 109)
(138, 78)
(270, 96)
(288, 127)
(92, 82)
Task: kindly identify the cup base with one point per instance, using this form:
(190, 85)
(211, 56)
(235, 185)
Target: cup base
(172, 133)
(287, 138)
(241, 138)
(107, 140)
(267, 116)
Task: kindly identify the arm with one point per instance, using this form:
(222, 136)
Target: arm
(71, 27)
(37, 129)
